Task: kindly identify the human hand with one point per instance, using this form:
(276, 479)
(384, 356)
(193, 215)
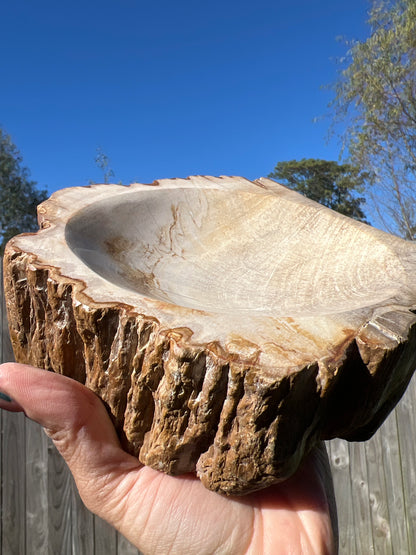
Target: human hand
(164, 514)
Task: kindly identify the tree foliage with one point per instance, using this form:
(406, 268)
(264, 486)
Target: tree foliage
(19, 196)
(375, 99)
(337, 186)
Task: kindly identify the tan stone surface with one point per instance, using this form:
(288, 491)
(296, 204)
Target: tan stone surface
(228, 325)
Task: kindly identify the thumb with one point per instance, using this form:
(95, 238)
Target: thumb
(75, 419)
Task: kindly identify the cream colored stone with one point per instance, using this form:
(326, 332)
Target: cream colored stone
(228, 325)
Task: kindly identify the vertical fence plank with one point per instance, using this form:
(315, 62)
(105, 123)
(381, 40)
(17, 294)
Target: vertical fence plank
(391, 464)
(339, 456)
(59, 504)
(36, 489)
(406, 419)
(82, 526)
(13, 484)
(377, 491)
(105, 538)
(361, 499)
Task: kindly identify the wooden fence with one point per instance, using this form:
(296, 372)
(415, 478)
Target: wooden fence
(41, 512)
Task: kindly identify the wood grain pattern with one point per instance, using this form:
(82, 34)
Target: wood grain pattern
(13, 484)
(406, 421)
(83, 535)
(378, 496)
(391, 464)
(60, 486)
(105, 538)
(36, 450)
(373, 486)
(339, 456)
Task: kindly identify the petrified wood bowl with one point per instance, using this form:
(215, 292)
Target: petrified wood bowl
(228, 325)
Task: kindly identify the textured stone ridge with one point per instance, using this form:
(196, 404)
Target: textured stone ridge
(181, 408)
(170, 404)
(227, 325)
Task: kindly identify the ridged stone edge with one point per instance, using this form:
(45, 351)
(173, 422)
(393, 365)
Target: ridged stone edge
(181, 407)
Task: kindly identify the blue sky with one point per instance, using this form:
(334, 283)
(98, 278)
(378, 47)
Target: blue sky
(169, 89)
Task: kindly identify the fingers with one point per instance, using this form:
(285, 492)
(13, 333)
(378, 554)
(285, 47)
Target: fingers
(159, 512)
(72, 415)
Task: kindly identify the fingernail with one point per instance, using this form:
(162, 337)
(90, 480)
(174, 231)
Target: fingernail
(5, 397)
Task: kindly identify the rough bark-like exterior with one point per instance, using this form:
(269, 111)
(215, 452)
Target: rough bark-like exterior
(180, 405)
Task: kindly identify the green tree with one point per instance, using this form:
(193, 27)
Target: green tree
(18, 194)
(337, 186)
(375, 101)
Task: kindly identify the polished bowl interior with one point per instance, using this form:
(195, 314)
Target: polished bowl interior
(233, 251)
